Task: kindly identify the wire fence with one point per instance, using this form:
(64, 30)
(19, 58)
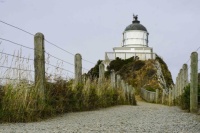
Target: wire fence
(15, 67)
(18, 66)
(189, 74)
(49, 42)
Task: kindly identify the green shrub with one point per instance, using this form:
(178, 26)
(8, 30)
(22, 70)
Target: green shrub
(185, 97)
(94, 72)
(117, 64)
(22, 103)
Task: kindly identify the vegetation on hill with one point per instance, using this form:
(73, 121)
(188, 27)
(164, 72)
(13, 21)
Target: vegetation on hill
(21, 102)
(93, 73)
(139, 73)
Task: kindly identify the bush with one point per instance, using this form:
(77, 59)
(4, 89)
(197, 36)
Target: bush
(185, 97)
(118, 64)
(94, 72)
(22, 103)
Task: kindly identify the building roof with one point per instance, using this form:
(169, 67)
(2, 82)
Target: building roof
(135, 25)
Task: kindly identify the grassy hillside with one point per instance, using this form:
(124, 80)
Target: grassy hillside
(139, 73)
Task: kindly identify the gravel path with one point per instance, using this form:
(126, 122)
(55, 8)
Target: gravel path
(144, 118)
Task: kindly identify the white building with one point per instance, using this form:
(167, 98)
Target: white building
(134, 43)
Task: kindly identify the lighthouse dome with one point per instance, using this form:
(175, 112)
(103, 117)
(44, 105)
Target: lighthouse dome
(136, 25)
(135, 35)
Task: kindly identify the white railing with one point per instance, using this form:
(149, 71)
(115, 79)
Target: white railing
(125, 55)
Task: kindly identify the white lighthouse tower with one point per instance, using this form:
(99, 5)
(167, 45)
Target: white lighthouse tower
(134, 43)
(135, 35)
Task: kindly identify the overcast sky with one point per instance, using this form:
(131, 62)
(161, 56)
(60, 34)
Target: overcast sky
(93, 27)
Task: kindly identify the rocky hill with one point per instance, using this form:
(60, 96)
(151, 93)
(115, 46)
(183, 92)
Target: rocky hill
(150, 74)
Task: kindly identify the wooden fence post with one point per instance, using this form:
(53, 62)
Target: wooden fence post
(157, 95)
(185, 74)
(181, 82)
(173, 94)
(163, 96)
(113, 79)
(123, 88)
(122, 84)
(88, 82)
(78, 69)
(127, 92)
(39, 64)
(134, 91)
(170, 97)
(194, 83)
(176, 93)
(101, 73)
(118, 81)
(131, 94)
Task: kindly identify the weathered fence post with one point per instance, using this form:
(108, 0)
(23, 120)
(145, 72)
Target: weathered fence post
(122, 84)
(78, 69)
(157, 95)
(178, 88)
(132, 97)
(127, 91)
(39, 64)
(181, 82)
(130, 93)
(88, 83)
(123, 88)
(101, 73)
(173, 94)
(185, 74)
(194, 83)
(163, 96)
(170, 97)
(112, 78)
(134, 91)
(118, 81)
(176, 91)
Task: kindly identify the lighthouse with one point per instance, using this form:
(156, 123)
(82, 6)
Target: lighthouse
(135, 43)
(135, 35)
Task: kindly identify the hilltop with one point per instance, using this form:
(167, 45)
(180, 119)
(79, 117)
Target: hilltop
(150, 74)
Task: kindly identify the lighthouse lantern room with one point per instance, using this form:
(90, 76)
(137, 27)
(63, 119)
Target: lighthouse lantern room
(134, 43)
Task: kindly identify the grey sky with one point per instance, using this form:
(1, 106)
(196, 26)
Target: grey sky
(92, 27)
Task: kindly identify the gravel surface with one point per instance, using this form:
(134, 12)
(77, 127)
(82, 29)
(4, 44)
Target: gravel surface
(144, 118)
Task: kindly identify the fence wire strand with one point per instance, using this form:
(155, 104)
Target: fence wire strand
(17, 56)
(34, 49)
(59, 59)
(59, 68)
(45, 40)
(16, 43)
(16, 27)
(16, 68)
(15, 79)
